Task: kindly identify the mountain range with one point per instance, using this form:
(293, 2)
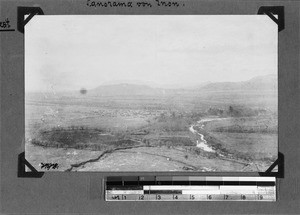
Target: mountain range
(267, 82)
(261, 83)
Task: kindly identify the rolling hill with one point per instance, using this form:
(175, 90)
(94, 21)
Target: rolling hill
(259, 83)
(262, 83)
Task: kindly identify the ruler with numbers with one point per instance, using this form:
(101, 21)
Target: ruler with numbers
(189, 188)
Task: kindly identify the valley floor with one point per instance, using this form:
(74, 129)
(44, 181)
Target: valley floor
(205, 132)
(210, 157)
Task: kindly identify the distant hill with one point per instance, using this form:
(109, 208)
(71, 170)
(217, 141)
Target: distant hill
(267, 82)
(125, 89)
(261, 83)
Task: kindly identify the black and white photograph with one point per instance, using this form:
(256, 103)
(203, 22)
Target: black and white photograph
(151, 93)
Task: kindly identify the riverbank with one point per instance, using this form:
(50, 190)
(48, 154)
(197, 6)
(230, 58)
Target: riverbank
(201, 142)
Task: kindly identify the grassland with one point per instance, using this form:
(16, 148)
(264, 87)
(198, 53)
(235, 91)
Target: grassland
(113, 125)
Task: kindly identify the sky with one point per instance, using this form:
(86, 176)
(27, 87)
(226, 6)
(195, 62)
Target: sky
(70, 52)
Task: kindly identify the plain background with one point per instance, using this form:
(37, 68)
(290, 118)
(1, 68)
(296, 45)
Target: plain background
(82, 192)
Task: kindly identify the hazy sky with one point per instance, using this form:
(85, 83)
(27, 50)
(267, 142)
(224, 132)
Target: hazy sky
(71, 52)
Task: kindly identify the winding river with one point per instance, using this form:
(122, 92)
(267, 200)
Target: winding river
(202, 143)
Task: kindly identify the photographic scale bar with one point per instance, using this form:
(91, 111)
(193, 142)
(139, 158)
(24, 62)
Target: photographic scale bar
(190, 188)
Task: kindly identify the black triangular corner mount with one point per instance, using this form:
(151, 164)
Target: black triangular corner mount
(22, 162)
(280, 164)
(31, 11)
(270, 11)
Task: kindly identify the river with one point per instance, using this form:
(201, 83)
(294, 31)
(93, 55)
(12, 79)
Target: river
(202, 143)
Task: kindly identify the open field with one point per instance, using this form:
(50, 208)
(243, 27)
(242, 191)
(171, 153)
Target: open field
(232, 131)
(251, 138)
